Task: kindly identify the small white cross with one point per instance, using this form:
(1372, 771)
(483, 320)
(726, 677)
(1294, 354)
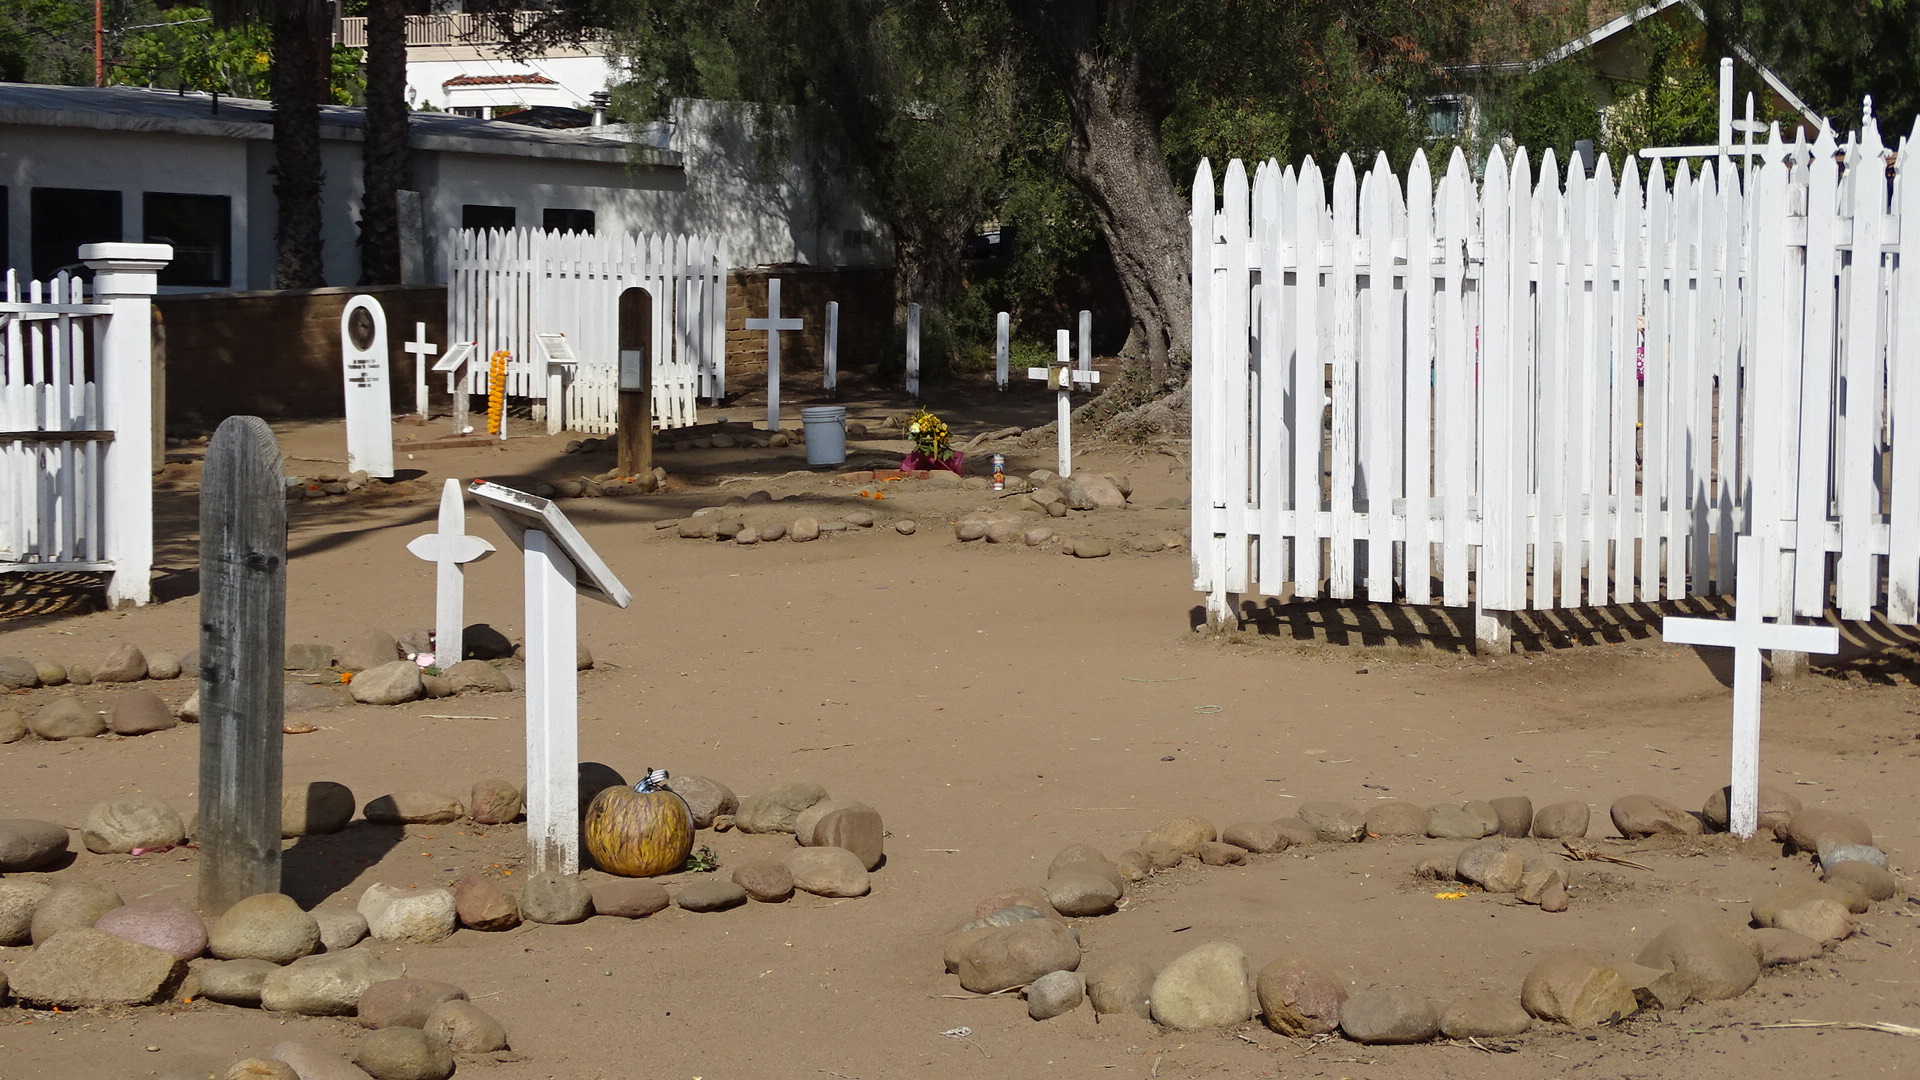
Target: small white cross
(773, 324)
(1746, 635)
(450, 546)
(1062, 376)
(421, 348)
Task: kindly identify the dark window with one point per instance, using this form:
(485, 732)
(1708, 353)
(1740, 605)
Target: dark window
(200, 228)
(580, 221)
(476, 216)
(64, 219)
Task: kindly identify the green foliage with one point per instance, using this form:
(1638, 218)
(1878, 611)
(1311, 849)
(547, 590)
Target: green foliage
(701, 861)
(188, 52)
(51, 41)
(1835, 52)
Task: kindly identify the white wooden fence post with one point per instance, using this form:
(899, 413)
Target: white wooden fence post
(553, 715)
(125, 277)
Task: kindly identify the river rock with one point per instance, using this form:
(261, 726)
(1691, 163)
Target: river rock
(1259, 837)
(1090, 547)
(1515, 818)
(403, 1002)
(629, 898)
(858, 829)
(466, 1028)
(1299, 998)
(17, 900)
(167, 925)
(65, 718)
(329, 984)
(69, 906)
(495, 800)
(163, 665)
(1492, 865)
(1779, 947)
(476, 677)
(1561, 821)
(1183, 834)
(765, 880)
(710, 894)
(1874, 882)
(1124, 987)
(1540, 875)
(1487, 1014)
(804, 529)
(414, 808)
(16, 673)
(1776, 808)
(369, 649)
(1389, 1018)
(1396, 817)
(140, 712)
(828, 871)
(404, 1053)
(1214, 853)
(1819, 918)
(29, 844)
(82, 967)
(1833, 856)
(122, 825)
(1004, 958)
(1637, 816)
(1571, 988)
(313, 1062)
(806, 821)
(1455, 823)
(1765, 905)
(123, 663)
(421, 916)
(1334, 822)
(233, 982)
(13, 727)
(906, 526)
(1163, 856)
(266, 926)
(706, 799)
(1815, 828)
(258, 1069)
(315, 809)
(1055, 994)
(479, 903)
(52, 673)
(340, 928)
(1704, 962)
(391, 683)
(1077, 892)
(79, 674)
(1027, 896)
(1206, 987)
(774, 811)
(555, 898)
(1133, 865)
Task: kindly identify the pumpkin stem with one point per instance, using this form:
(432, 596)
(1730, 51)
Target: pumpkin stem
(655, 780)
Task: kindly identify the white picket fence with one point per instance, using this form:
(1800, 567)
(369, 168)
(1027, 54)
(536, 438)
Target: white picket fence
(1559, 394)
(506, 286)
(76, 420)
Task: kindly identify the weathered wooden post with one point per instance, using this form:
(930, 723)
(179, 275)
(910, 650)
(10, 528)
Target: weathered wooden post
(830, 364)
(634, 421)
(243, 629)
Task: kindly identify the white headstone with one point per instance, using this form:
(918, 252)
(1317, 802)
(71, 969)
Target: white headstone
(363, 354)
(1002, 328)
(830, 371)
(1086, 340)
(913, 351)
(450, 548)
(1062, 377)
(421, 348)
(1746, 635)
(773, 324)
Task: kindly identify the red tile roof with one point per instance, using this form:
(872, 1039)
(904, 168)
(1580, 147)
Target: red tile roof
(530, 78)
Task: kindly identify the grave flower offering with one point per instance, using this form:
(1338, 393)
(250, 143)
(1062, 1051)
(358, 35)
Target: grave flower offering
(931, 444)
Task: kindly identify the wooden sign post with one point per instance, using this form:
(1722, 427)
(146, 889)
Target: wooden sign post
(633, 453)
(363, 354)
(450, 547)
(830, 363)
(561, 363)
(559, 564)
(1746, 635)
(773, 324)
(458, 364)
(243, 630)
(420, 348)
(1062, 377)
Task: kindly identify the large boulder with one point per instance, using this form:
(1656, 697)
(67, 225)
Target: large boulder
(1205, 987)
(167, 925)
(1299, 998)
(421, 916)
(1006, 957)
(83, 967)
(329, 984)
(29, 844)
(123, 825)
(266, 926)
(1572, 988)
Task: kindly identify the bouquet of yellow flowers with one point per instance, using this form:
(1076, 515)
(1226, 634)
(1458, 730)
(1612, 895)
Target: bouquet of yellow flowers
(930, 435)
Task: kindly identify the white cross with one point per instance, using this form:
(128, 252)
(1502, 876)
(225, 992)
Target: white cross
(421, 348)
(1062, 376)
(1002, 325)
(457, 364)
(450, 546)
(1746, 635)
(773, 324)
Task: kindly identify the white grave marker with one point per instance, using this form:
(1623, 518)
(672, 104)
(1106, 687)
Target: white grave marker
(1746, 635)
(458, 364)
(363, 355)
(913, 351)
(1062, 377)
(1086, 340)
(421, 348)
(1002, 328)
(773, 324)
(559, 564)
(450, 547)
(830, 369)
(561, 362)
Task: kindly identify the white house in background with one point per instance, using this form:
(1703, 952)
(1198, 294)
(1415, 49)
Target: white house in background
(456, 64)
(83, 165)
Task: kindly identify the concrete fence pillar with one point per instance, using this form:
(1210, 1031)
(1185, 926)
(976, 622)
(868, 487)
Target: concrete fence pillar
(125, 278)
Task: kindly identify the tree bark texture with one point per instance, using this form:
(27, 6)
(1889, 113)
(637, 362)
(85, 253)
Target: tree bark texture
(383, 157)
(300, 62)
(1114, 156)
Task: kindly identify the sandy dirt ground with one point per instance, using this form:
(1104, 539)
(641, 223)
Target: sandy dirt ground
(995, 704)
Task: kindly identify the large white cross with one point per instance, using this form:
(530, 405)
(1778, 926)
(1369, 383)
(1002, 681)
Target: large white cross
(1062, 377)
(458, 364)
(773, 324)
(1746, 635)
(421, 348)
(449, 547)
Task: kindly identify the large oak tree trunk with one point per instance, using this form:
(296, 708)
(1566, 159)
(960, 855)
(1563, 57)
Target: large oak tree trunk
(300, 60)
(383, 157)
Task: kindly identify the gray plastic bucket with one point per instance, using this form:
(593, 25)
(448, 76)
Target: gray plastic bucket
(826, 427)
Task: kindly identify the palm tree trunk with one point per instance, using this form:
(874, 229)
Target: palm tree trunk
(383, 157)
(299, 82)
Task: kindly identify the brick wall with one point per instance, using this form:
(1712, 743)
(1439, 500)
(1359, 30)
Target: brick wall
(866, 317)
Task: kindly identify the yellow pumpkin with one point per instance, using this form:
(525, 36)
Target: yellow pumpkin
(638, 833)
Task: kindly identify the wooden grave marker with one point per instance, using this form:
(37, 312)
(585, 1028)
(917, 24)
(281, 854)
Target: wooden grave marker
(1062, 377)
(773, 324)
(449, 547)
(420, 348)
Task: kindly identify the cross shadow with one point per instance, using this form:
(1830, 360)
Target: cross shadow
(317, 867)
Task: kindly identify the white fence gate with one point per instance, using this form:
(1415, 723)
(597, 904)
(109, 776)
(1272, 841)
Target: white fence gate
(76, 420)
(1556, 394)
(504, 286)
